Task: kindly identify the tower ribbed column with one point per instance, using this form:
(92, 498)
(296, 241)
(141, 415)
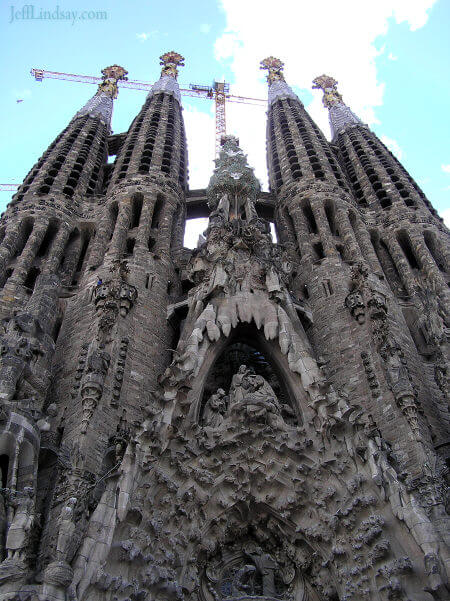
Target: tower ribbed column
(408, 237)
(72, 165)
(44, 213)
(318, 213)
(382, 184)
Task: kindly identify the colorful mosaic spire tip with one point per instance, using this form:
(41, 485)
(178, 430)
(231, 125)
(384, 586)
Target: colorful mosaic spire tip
(328, 85)
(274, 67)
(170, 62)
(111, 75)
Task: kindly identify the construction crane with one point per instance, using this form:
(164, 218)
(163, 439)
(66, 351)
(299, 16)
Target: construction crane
(219, 92)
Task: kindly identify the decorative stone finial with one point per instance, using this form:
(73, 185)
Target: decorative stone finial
(328, 85)
(340, 115)
(233, 187)
(170, 61)
(111, 75)
(274, 67)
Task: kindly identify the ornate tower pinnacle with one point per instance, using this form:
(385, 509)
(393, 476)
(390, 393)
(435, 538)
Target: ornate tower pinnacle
(274, 67)
(170, 61)
(278, 88)
(233, 187)
(111, 75)
(101, 104)
(328, 85)
(340, 115)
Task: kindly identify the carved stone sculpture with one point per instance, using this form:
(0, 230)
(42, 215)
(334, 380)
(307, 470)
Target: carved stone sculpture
(16, 538)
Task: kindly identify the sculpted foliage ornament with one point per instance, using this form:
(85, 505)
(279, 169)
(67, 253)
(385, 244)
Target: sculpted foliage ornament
(329, 87)
(170, 62)
(274, 66)
(111, 75)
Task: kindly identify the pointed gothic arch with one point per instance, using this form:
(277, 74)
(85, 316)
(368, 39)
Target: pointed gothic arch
(275, 365)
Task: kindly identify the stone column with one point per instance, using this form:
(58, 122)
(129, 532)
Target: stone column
(7, 249)
(57, 250)
(323, 227)
(118, 240)
(146, 220)
(406, 275)
(302, 233)
(347, 234)
(28, 255)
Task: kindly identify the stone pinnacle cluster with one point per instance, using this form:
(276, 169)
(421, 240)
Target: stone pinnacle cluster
(249, 420)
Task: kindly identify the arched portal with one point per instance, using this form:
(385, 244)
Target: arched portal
(246, 345)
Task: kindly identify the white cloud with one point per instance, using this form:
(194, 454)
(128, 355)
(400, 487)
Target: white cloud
(392, 57)
(445, 168)
(205, 28)
(393, 146)
(143, 37)
(312, 38)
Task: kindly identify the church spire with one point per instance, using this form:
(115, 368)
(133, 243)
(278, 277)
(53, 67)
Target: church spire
(296, 148)
(73, 164)
(167, 83)
(278, 88)
(101, 104)
(340, 115)
(156, 138)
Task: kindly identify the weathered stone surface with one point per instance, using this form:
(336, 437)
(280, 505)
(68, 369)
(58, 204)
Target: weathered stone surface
(249, 420)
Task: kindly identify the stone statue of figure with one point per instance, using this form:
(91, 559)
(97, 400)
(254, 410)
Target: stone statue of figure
(66, 529)
(261, 396)
(253, 397)
(214, 409)
(240, 383)
(223, 208)
(243, 583)
(17, 536)
(265, 567)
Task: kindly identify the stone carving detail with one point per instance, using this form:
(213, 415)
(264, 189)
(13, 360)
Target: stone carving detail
(331, 95)
(366, 298)
(119, 372)
(25, 347)
(251, 573)
(251, 399)
(16, 538)
(97, 365)
(112, 298)
(240, 277)
(66, 529)
(274, 67)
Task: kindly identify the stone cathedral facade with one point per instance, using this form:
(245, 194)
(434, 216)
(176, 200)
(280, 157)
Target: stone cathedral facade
(249, 420)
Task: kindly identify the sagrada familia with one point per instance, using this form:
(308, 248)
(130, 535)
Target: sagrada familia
(247, 420)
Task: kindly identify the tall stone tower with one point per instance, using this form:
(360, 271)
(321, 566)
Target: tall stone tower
(249, 420)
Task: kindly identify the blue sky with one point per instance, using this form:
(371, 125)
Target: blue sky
(391, 59)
